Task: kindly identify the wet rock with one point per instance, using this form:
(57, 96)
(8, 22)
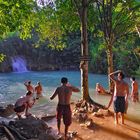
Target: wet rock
(31, 128)
(47, 117)
(7, 111)
(4, 138)
(44, 136)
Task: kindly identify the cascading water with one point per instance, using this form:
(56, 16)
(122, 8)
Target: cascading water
(19, 64)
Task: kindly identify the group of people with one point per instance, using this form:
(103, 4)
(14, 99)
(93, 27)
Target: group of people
(37, 89)
(64, 92)
(134, 90)
(27, 101)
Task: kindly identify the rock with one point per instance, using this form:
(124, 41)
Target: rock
(47, 117)
(96, 114)
(30, 127)
(105, 112)
(4, 138)
(78, 104)
(44, 136)
(82, 110)
(7, 111)
(89, 123)
(2, 109)
(83, 125)
(80, 117)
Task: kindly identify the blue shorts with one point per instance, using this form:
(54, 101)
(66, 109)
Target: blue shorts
(119, 104)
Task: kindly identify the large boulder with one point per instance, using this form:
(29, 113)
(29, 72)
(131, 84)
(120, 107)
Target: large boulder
(31, 128)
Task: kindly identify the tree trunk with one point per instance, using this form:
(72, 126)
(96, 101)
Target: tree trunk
(85, 55)
(110, 66)
(84, 52)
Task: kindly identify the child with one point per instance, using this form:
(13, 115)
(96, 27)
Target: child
(23, 104)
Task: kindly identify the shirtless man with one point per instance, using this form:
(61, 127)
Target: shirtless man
(120, 95)
(38, 90)
(64, 93)
(134, 90)
(29, 86)
(23, 104)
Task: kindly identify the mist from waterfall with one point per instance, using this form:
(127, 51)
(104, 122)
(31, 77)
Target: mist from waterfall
(19, 64)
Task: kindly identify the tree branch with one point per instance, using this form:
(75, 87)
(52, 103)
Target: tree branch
(101, 17)
(78, 8)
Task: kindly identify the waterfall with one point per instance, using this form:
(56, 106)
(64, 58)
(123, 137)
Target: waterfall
(19, 64)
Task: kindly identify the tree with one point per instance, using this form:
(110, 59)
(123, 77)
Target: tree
(117, 19)
(47, 22)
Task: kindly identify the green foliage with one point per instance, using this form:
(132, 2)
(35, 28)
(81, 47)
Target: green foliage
(54, 25)
(2, 57)
(125, 57)
(14, 15)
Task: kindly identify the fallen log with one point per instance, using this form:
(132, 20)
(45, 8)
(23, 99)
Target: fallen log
(10, 135)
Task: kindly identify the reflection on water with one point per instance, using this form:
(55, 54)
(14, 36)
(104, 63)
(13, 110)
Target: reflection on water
(12, 87)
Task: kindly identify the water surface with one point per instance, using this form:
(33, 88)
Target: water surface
(12, 87)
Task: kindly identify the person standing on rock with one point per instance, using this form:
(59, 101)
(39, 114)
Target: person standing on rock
(64, 93)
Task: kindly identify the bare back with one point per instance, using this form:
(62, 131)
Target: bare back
(64, 95)
(38, 89)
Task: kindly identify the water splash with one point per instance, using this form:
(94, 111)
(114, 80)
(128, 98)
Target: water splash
(19, 64)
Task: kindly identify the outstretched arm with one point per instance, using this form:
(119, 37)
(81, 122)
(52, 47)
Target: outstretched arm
(75, 89)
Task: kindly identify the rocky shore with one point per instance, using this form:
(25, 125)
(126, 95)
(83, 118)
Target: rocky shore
(89, 122)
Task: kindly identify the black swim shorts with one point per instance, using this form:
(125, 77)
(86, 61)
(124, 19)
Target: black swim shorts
(119, 104)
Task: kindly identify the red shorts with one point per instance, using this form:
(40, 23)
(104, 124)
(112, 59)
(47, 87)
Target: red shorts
(65, 111)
